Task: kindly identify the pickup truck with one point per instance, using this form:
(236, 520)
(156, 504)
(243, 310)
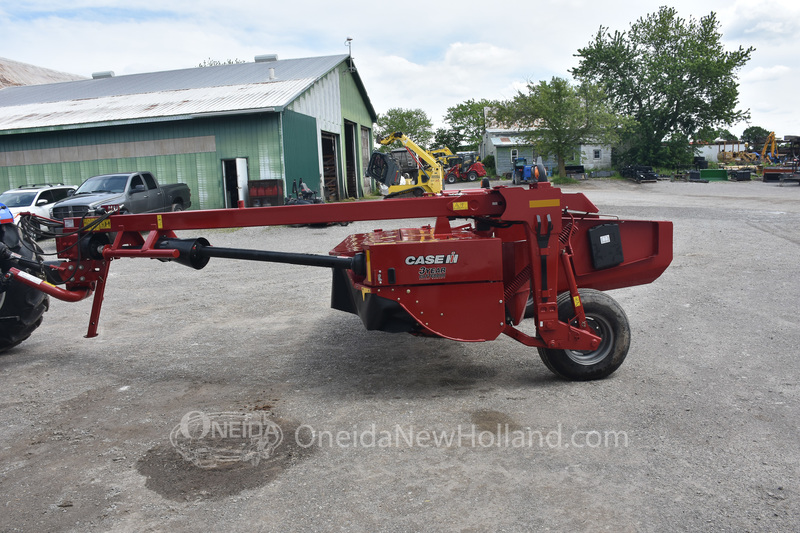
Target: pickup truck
(132, 192)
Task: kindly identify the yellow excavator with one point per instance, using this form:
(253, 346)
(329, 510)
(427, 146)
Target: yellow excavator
(385, 169)
(769, 152)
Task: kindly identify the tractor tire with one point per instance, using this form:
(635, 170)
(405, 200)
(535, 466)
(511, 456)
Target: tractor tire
(530, 308)
(451, 178)
(472, 176)
(21, 307)
(605, 316)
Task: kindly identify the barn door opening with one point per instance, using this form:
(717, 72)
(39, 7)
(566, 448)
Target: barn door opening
(234, 180)
(330, 173)
(350, 155)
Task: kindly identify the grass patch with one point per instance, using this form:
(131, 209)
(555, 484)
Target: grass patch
(558, 180)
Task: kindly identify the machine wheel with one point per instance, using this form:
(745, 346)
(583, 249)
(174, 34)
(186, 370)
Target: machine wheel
(514, 179)
(605, 316)
(451, 178)
(529, 307)
(21, 307)
(472, 176)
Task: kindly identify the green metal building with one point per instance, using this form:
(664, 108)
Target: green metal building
(223, 130)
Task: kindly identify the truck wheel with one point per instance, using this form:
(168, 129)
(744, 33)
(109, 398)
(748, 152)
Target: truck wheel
(451, 178)
(605, 316)
(21, 307)
(472, 176)
(177, 206)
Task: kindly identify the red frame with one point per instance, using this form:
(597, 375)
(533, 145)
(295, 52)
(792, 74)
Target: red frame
(520, 238)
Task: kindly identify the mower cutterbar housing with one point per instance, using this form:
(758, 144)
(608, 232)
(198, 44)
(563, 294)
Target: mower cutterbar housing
(472, 283)
(491, 258)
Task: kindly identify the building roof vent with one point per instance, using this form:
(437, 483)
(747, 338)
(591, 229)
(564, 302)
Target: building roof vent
(103, 74)
(266, 58)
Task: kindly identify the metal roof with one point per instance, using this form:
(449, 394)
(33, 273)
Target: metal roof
(507, 140)
(14, 73)
(237, 88)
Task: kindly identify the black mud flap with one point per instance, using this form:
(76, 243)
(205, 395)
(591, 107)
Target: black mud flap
(377, 313)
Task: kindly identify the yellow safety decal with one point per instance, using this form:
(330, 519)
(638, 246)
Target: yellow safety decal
(34, 279)
(577, 301)
(159, 223)
(553, 202)
(460, 206)
(106, 224)
(369, 268)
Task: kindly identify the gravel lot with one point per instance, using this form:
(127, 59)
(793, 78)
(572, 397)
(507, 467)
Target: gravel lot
(697, 431)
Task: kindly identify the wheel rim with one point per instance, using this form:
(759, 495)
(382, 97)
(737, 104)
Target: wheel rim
(602, 328)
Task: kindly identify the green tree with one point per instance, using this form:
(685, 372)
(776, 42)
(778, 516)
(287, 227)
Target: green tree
(414, 123)
(467, 122)
(710, 135)
(755, 137)
(446, 138)
(672, 76)
(557, 117)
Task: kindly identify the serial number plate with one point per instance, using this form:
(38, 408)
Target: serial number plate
(106, 224)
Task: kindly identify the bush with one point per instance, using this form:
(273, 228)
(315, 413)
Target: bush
(489, 163)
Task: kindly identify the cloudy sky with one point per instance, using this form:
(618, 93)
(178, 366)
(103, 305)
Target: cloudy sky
(412, 54)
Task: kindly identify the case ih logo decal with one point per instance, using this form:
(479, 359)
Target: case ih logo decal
(441, 259)
(435, 272)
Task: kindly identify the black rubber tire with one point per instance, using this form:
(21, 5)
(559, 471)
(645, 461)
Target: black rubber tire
(472, 176)
(177, 206)
(608, 319)
(529, 307)
(451, 178)
(21, 307)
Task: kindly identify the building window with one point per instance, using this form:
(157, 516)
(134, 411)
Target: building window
(514, 153)
(597, 154)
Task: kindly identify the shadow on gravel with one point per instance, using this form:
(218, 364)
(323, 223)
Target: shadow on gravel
(348, 359)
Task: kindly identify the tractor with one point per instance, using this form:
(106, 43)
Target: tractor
(465, 166)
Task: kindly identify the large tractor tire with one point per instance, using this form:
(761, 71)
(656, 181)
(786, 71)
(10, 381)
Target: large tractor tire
(608, 320)
(21, 307)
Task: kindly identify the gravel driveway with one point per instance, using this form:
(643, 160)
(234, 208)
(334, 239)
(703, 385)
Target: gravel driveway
(341, 429)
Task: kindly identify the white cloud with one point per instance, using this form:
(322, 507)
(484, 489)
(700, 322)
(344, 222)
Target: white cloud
(762, 74)
(413, 55)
